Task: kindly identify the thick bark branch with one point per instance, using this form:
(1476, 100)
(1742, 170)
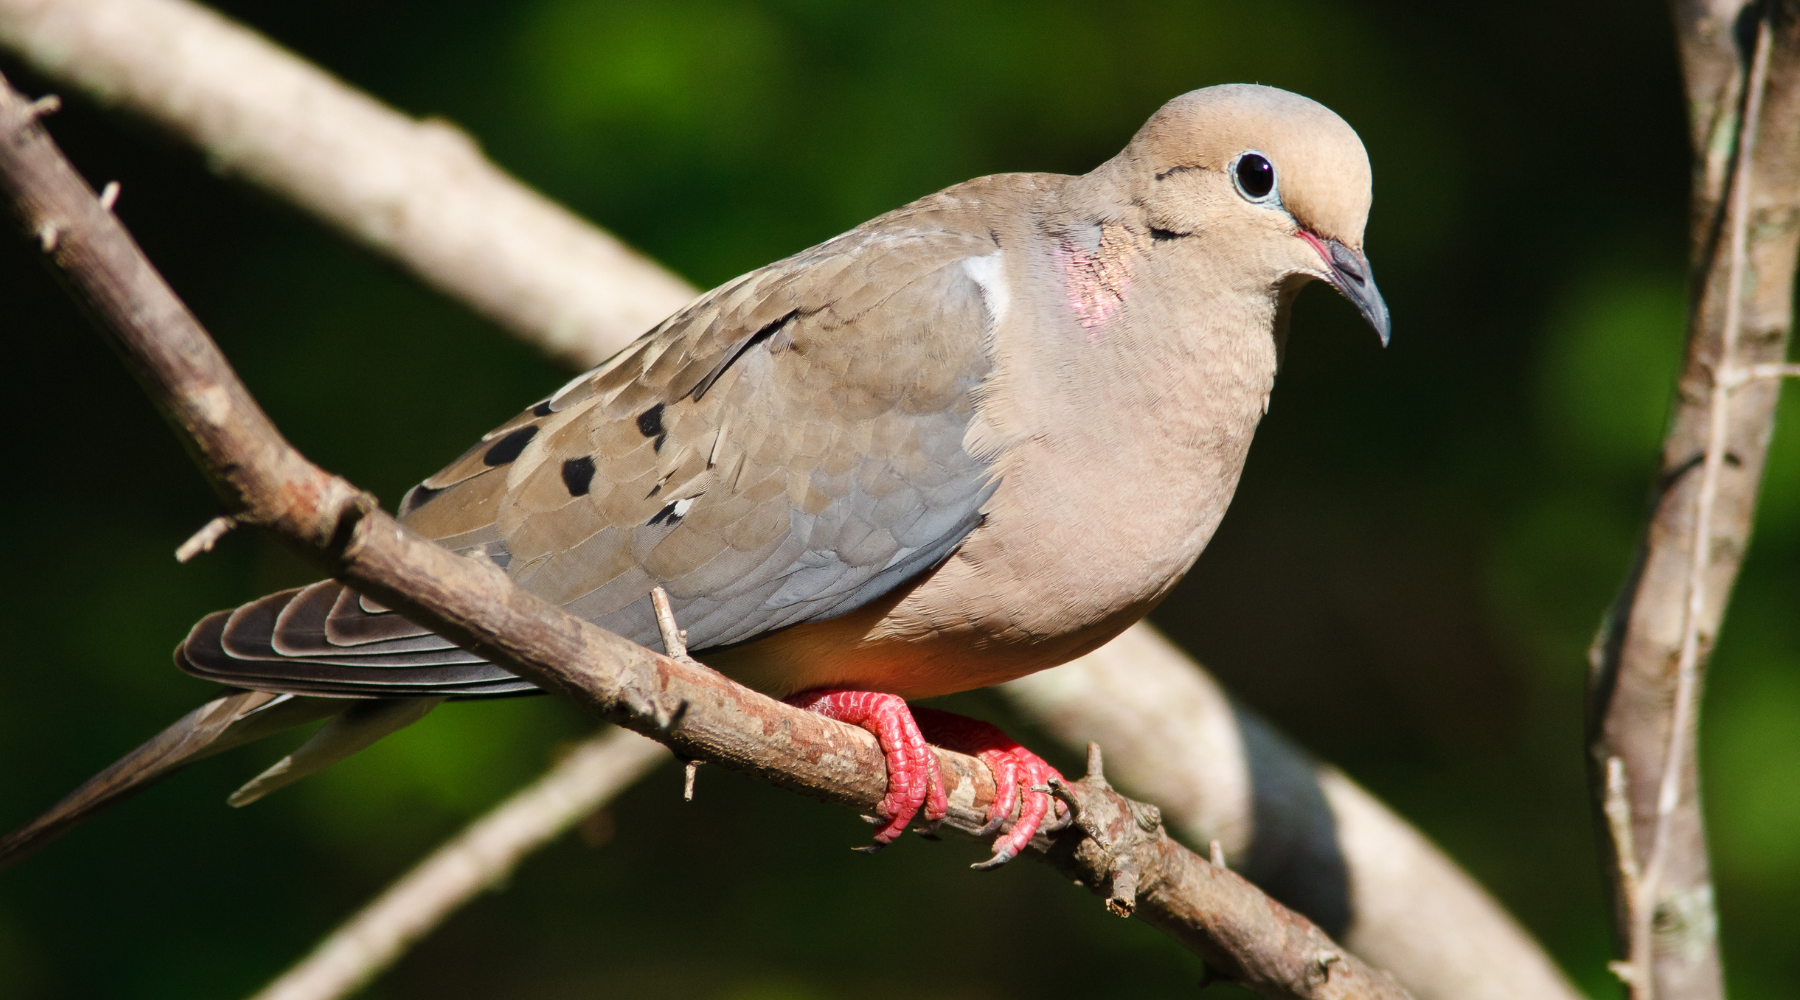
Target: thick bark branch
(1299, 829)
(1742, 66)
(1117, 847)
(421, 191)
(268, 114)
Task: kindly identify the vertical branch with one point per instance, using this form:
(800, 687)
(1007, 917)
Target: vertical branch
(1741, 63)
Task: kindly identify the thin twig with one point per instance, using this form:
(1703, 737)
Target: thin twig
(480, 857)
(213, 530)
(695, 711)
(674, 637)
(1736, 377)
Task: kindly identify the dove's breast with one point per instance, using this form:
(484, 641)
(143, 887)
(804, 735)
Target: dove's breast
(1117, 445)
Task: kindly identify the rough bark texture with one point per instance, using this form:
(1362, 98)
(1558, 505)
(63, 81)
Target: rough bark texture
(1649, 659)
(1299, 829)
(1117, 847)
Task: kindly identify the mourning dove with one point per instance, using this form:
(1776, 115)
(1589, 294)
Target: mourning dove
(973, 438)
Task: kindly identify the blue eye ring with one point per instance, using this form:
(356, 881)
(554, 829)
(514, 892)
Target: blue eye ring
(1253, 174)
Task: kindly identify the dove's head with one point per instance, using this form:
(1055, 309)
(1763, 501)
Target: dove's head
(1280, 176)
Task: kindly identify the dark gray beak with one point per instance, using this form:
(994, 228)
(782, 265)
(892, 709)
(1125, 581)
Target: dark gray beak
(1350, 275)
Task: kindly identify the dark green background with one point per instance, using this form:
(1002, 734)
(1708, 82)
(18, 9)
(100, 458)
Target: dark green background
(1420, 550)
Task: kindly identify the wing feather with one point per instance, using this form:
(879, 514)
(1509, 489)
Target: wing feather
(786, 449)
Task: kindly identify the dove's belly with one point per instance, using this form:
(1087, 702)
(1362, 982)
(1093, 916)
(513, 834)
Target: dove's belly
(1033, 587)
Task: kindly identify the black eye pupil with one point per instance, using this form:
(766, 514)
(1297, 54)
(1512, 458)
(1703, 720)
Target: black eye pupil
(1256, 175)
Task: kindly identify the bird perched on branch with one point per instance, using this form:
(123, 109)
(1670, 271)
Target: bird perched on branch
(973, 438)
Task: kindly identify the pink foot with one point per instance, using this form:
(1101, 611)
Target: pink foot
(1017, 771)
(913, 779)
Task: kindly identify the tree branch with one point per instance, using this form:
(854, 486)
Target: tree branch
(1742, 66)
(1116, 847)
(1299, 829)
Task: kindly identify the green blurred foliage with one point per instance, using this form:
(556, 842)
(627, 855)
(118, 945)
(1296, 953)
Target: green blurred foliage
(1420, 551)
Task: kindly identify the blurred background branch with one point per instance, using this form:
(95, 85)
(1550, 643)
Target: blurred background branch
(1741, 62)
(475, 861)
(420, 192)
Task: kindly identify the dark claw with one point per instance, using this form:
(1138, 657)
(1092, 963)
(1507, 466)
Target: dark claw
(1060, 791)
(869, 849)
(992, 863)
(990, 828)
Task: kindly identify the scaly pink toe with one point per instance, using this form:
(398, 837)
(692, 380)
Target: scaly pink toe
(913, 780)
(1017, 773)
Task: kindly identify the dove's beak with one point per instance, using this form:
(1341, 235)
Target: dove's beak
(1348, 271)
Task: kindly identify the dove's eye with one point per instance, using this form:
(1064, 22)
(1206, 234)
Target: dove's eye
(1255, 176)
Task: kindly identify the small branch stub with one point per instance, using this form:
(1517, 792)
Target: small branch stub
(109, 195)
(204, 539)
(674, 638)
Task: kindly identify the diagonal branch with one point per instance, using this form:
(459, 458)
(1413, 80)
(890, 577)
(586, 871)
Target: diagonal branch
(1117, 847)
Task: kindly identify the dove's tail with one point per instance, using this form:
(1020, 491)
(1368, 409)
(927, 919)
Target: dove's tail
(221, 724)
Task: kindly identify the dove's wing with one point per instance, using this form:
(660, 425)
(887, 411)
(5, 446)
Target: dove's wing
(787, 448)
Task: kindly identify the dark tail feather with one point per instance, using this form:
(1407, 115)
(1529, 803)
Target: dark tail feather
(218, 725)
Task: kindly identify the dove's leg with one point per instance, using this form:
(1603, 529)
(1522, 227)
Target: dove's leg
(913, 779)
(1017, 773)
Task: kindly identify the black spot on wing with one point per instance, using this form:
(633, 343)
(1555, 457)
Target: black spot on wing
(578, 475)
(649, 424)
(1159, 235)
(542, 409)
(508, 448)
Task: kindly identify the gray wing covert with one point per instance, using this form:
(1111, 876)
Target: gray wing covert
(786, 449)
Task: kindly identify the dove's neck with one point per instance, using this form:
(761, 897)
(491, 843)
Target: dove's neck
(1142, 352)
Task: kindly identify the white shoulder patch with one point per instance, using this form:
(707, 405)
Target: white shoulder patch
(990, 274)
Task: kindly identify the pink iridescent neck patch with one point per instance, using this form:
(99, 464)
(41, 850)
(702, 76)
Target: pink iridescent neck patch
(1096, 280)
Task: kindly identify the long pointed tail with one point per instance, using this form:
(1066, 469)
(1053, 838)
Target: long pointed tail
(216, 726)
